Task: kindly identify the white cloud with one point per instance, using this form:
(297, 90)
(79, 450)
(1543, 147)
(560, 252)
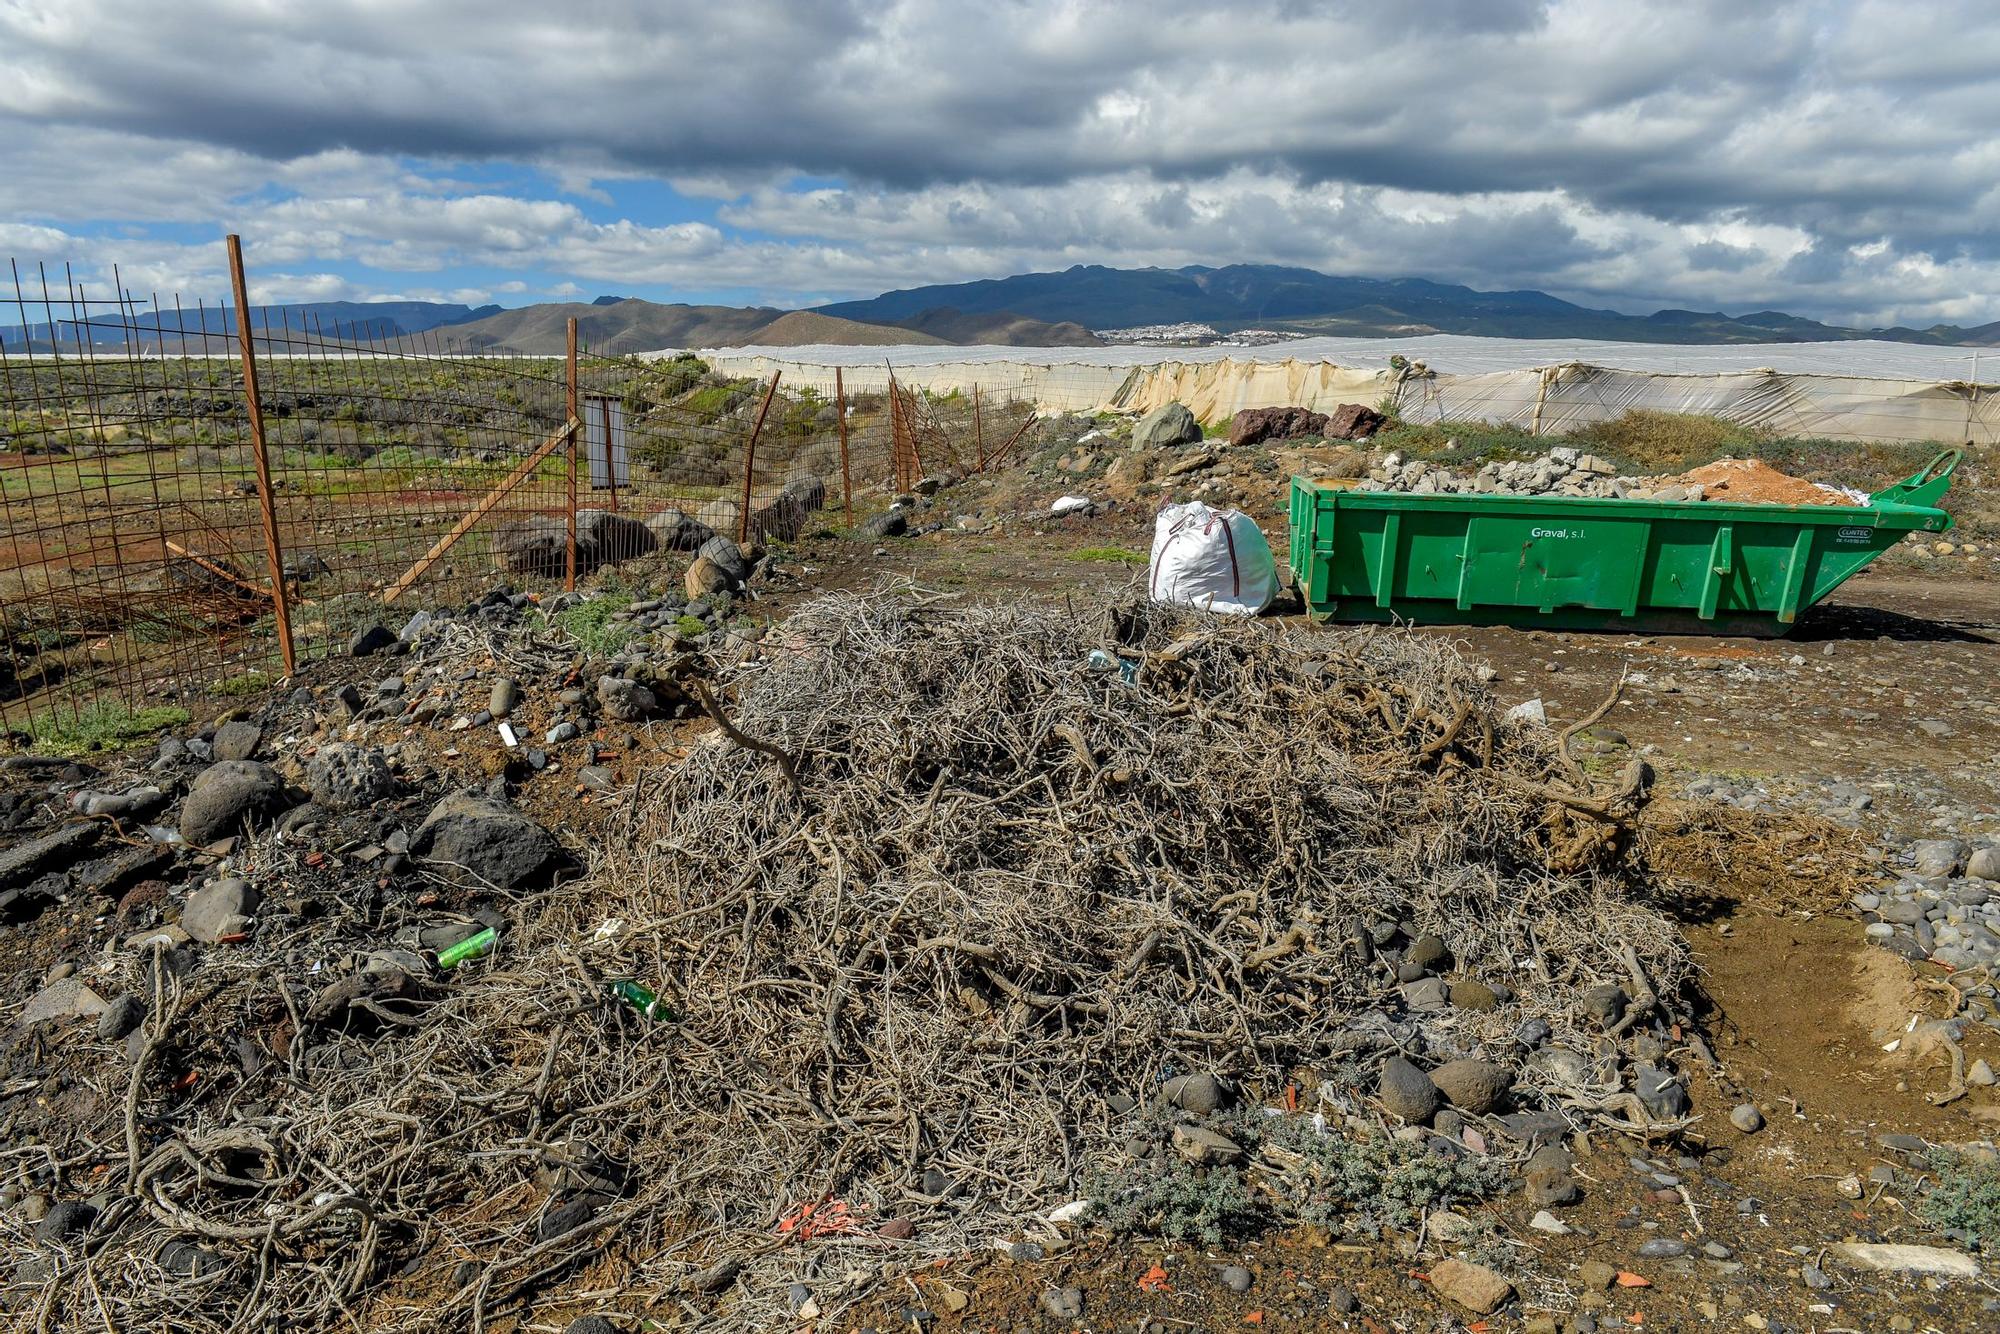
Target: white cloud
(1686, 152)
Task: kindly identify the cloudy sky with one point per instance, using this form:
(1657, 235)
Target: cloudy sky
(1839, 160)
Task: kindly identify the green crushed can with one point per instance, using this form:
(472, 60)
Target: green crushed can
(472, 947)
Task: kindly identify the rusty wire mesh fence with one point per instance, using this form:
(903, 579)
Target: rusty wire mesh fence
(191, 508)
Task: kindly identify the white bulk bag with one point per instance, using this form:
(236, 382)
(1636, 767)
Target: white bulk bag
(1213, 559)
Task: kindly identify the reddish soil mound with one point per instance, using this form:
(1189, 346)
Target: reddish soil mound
(1754, 482)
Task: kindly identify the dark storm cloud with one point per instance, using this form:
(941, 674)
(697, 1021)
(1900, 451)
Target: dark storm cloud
(1720, 257)
(1757, 142)
(1632, 101)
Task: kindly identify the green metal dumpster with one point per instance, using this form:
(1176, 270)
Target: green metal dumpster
(1583, 564)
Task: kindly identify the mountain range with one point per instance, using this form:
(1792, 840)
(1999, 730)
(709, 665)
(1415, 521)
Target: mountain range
(348, 321)
(1270, 296)
(1061, 309)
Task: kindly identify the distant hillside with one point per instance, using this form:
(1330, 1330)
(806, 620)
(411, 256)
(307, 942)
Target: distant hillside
(626, 325)
(616, 328)
(348, 321)
(1303, 301)
(996, 329)
(611, 325)
(799, 328)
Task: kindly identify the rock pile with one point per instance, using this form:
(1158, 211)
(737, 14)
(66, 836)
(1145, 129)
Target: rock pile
(1349, 421)
(1567, 471)
(1562, 471)
(1944, 907)
(539, 544)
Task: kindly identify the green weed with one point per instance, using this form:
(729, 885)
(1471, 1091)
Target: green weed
(1109, 555)
(716, 399)
(1374, 1181)
(1176, 1201)
(1359, 1185)
(1472, 442)
(105, 725)
(659, 381)
(250, 683)
(1965, 1200)
(590, 625)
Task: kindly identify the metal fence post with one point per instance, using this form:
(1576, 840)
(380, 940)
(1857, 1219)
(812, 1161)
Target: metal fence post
(840, 415)
(1972, 399)
(978, 430)
(750, 457)
(569, 554)
(280, 603)
(898, 430)
(913, 460)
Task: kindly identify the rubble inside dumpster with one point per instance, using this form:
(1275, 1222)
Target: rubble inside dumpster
(1568, 471)
(628, 944)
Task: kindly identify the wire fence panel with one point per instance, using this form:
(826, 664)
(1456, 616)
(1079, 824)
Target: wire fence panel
(147, 508)
(167, 534)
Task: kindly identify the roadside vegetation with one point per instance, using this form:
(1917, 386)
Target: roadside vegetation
(106, 725)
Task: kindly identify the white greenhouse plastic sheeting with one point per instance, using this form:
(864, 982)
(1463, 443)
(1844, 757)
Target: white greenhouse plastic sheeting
(1860, 390)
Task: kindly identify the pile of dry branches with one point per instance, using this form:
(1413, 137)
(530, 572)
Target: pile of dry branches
(941, 887)
(955, 886)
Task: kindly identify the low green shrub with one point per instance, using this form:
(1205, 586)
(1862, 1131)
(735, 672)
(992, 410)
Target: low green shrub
(1374, 1181)
(1965, 1200)
(1175, 1200)
(590, 624)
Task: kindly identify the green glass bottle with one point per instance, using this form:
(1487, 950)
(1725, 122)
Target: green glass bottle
(641, 998)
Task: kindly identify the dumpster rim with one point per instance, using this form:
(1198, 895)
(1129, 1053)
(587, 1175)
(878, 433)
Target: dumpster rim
(1635, 508)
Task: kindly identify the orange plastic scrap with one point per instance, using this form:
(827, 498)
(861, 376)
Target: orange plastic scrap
(1154, 1280)
(829, 1217)
(1628, 1279)
(1254, 1318)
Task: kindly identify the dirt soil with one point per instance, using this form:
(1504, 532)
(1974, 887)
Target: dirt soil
(1753, 482)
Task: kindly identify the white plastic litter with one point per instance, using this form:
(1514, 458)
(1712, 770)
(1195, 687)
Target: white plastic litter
(1070, 505)
(1213, 559)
